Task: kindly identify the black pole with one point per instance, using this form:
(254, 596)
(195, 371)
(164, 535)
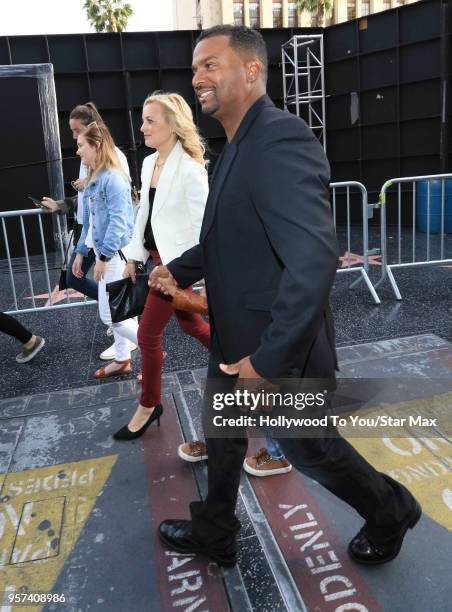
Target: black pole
(135, 175)
(445, 92)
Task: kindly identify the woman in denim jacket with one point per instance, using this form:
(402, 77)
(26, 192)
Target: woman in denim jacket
(107, 227)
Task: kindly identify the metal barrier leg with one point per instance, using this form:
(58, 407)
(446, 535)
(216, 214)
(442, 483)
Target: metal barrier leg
(371, 288)
(357, 281)
(384, 274)
(382, 278)
(393, 283)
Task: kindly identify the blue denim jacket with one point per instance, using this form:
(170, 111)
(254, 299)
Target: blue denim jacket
(108, 196)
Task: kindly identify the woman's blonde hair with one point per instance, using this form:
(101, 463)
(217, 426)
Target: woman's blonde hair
(97, 135)
(180, 118)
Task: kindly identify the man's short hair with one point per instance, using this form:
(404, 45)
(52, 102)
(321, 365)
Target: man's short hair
(243, 39)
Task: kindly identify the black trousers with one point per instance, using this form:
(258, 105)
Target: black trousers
(9, 325)
(331, 461)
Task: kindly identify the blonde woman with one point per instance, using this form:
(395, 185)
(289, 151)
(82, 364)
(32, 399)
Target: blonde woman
(174, 191)
(107, 228)
(81, 116)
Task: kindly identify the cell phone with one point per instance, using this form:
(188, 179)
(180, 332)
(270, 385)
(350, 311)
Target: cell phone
(36, 202)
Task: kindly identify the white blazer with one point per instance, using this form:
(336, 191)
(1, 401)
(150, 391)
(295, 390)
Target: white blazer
(178, 209)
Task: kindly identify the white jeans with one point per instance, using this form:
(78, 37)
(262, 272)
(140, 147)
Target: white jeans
(124, 332)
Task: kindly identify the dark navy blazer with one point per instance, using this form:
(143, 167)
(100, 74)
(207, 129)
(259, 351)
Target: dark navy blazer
(268, 248)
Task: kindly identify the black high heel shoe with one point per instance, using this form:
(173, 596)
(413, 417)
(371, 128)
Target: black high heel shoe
(125, 434)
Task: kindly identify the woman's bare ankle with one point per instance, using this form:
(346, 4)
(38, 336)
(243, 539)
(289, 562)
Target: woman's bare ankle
(142, 413)
(30, 343)
(145, 408)
(114, 366)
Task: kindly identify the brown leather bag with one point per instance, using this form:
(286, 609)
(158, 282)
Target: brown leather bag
(185, 299)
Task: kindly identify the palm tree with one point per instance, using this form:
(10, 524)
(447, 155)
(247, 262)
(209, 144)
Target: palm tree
(321, 9)
(108, 15)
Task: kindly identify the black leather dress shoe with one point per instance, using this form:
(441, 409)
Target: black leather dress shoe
(367, 550)
(177, 535)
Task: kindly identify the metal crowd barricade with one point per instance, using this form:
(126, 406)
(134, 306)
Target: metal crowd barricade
(404, 256)
(53, 296)
(18, 266)
(364, 259)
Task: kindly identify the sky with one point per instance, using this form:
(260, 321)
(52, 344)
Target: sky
(68, 16)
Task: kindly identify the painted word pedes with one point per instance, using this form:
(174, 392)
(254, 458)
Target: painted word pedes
(42, 514)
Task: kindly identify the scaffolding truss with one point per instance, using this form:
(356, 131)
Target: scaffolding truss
(304, 81)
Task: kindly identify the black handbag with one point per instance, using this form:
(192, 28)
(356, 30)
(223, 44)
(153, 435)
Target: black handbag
(62, 284)
(126, 298)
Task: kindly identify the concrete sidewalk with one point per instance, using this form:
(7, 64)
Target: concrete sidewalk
(79, 511)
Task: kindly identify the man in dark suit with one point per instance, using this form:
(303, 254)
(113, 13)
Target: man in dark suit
(268, 253)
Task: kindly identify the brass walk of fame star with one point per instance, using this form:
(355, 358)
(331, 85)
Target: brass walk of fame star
(352, 259)
(57, 296)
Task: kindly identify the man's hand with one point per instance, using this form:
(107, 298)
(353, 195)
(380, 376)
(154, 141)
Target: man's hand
(255, 383)
(99, 270)
(77, 266)
(130, 271)
(49, 205)
(157, 272)
(243, 368)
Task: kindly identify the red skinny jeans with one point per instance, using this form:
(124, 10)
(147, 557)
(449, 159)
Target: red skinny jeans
(157, 312)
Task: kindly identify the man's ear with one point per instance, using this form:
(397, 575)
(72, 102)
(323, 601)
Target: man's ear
(253, 70)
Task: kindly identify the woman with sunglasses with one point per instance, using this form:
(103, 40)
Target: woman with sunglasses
(107, 228)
